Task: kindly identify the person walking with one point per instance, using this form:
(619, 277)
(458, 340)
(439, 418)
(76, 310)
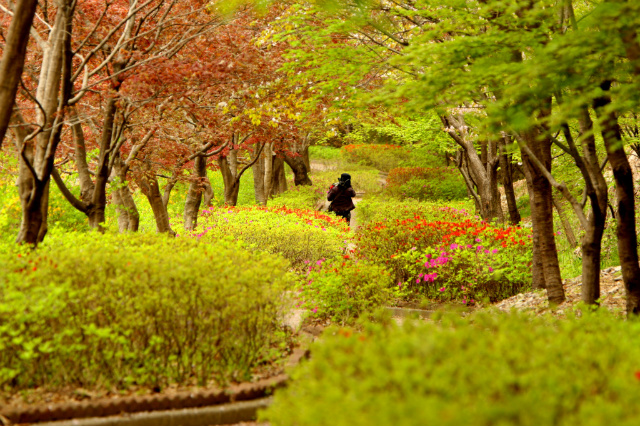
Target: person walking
(340, 194)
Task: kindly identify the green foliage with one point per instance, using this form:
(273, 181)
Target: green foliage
(109, 311)
(10, 210)
(490, 369)
(445, 253)
(381, 157)
(318, 152)
(343, 289)
(296, 234)
(430, 184)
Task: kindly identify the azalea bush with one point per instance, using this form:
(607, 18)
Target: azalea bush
(462, 258)
(110, 311)
(343, 289)
(380, 207)
(490, 369)
(382, 157)
(298, 235)
(421, 183)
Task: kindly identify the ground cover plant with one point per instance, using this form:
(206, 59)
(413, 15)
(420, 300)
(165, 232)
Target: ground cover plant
(446, 253)
(423, 183)
(382, 157)
(343, 289)
(110, 311)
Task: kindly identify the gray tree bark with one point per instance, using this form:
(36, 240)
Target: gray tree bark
(194, 195)
(12, 62)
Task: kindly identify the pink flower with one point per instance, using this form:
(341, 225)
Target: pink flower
(490, 269)
(315, 310)
(478, 240)
(442, 289)
(494, 251)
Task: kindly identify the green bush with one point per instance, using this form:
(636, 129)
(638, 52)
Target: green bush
(299, 235)
(490, 369)
(109, 311)
(382, 157)
(431, 184)
(342, 289)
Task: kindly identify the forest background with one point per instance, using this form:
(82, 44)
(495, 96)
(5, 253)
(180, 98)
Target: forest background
(505, 134)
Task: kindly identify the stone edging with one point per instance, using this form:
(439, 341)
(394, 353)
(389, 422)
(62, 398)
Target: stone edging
(157, 402)
(217, 415)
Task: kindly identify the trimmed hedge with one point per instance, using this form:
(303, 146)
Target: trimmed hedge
(490, 369)
(110, 311)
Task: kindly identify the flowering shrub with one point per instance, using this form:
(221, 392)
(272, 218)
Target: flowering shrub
(342, 289)
(382, 157)
(421, 183)
(296, 234)
(460, 259)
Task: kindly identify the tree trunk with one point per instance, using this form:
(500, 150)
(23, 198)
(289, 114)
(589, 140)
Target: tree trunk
(268, 171)
(566, 226)
(507, 183)
(300, 170)
(99, 198)
(542, 218)
(151, 189)
(279, 184)
(298, 160)
(258, 180)
(194, 195)
(12, 62)
(231, 184)
(625, 202)
(208, 192)
(39, 164)
(86, 183)
(537, 267)
(128, 216)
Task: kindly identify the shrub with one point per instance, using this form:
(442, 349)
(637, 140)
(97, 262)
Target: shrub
(459, 258)
(109, 311)
(382, 157)
(342, 289)
(508, 369)
(296, 234)
(441, 183)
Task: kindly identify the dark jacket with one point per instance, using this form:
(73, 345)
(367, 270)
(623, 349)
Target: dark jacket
(341, 199)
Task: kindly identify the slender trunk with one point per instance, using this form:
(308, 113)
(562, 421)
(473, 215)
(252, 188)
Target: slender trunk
(507, 183)
(625, 202)
(598, 196)
(128, 216)
(268, 171)
(86, 183)
(542, 218)
(194, 195)
(99, 198)
(258, 181)
(231, 184)
(151, 189)
(537, 267)
(12, 62)
(566, 226)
